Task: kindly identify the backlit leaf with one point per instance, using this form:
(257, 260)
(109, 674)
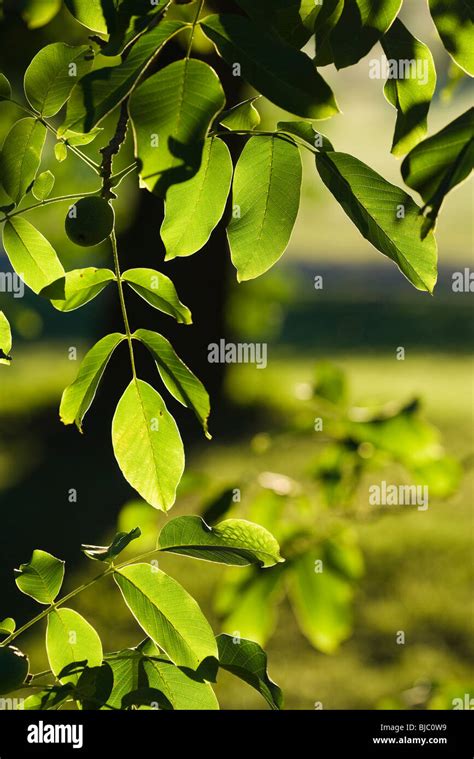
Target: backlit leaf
(411, 89)
(77, 398)
(30, 254)
(38, 13)
(266, 196)
(79, 287)
(305, 131)
(242, 116)
(234, 541)
(70, 638)
(178, 379)
(454, 21)
(384, 214)
(159, 291)
(41, 578)
(294, 21)
(5, 340)
(5, 88)
(171, 114)
(21, 156)
(118, 544)
(52, 74)
(91, 13)
(149, 451)
(167, 613)
(248, 661)
(43, 185)
(194, 208)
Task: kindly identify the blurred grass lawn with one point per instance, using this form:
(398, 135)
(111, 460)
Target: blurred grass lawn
(418, 564)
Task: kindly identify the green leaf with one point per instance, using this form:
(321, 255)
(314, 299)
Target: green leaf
(182, 691)
(360, 25)
(325, 22)
(70, 638)
(5, 340)
(38, 13)
(77, 398)
(41, 578)
(249, 605)
(242, 116)
(171, 114)
(78, 287)
(454, 21)
(200, 201)
(43, 185)
(100, 91)
(159, 291)
(248, 661)
(305, 131)
(78, 139)
(330, 383)
(322, 602)
(167, 613)
(60, 151)
(384, 214)
(147, 445)
(49, 698)
(7, 626)
(91, 13)
(130, 20)
(411, 88)
(282, 74)
(293, 21)
(30, 254)
(53, 73)
(21, 156)
(127, 668)
(118, 544)
(435, 166)
(5, 88)
(266, 196)
(234, 541)
(178, 379)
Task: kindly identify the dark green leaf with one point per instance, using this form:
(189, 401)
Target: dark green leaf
(130, 20)
(293, 20)
(284, 75)
(49, 698)
(21, 156)
(248, 661)
(77, 398)
(52, 74)
(118, 544)
(179, 380)
(266, 196)
(454, 22)
(384, 214)
(435, 166)
(94, 686)
(170, 130)
(149, 697)
(234, 541)
(218, 507)
(5, 88)
(149, 451)
(99, 92)
(305, 131)
(167, 613)
(411, 88)
(41, 578)
(325, 22)
(159, 291)
(201, 201)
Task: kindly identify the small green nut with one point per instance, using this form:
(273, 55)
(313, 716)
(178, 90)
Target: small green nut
(14, 668)
(90, 221)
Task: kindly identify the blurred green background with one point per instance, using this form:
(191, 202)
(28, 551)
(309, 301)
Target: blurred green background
(418, 565)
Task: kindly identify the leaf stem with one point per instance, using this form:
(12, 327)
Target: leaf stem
(193, 28)
(47, 202)
(113, 240)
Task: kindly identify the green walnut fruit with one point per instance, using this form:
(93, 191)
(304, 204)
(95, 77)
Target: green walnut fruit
(14, 668)
(89, 221)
